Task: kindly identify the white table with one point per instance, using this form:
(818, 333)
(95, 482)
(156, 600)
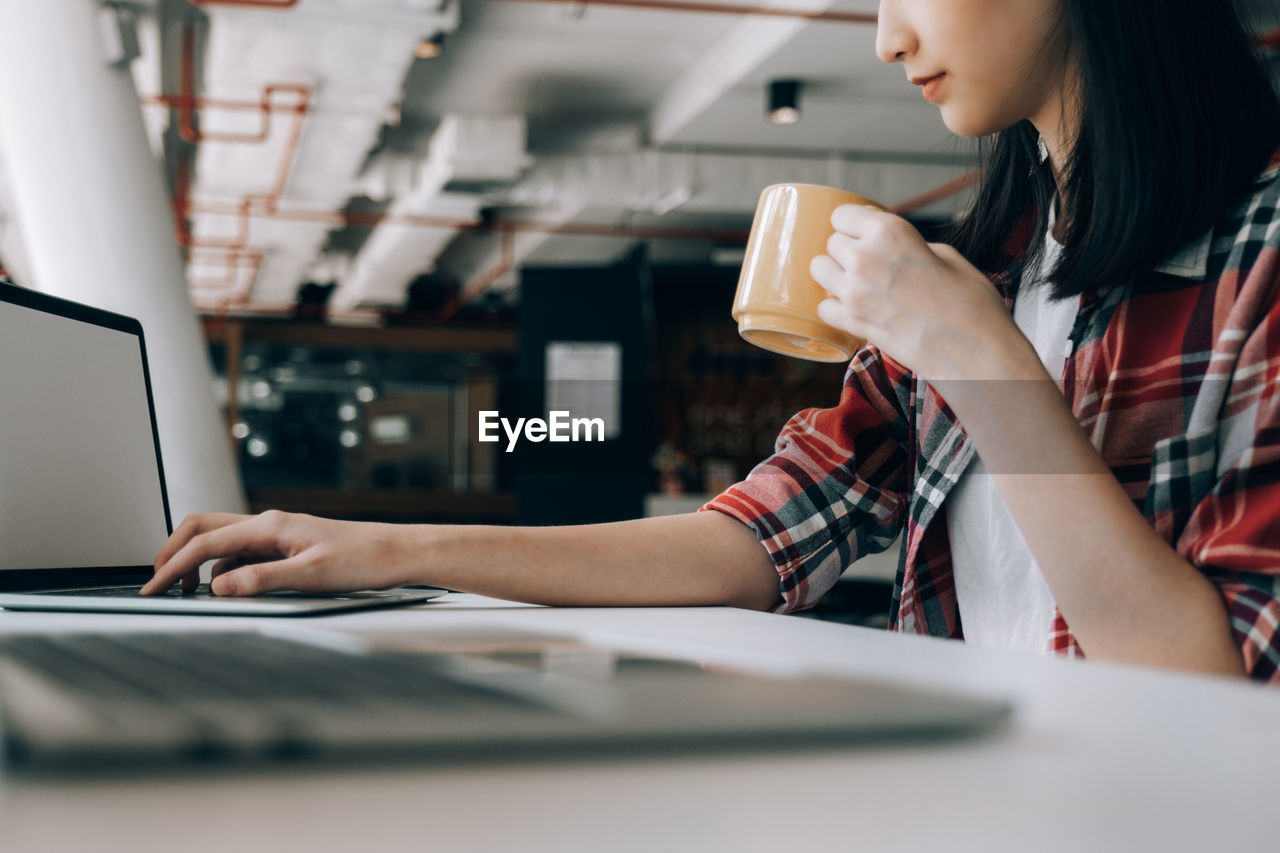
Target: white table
(1097, 758)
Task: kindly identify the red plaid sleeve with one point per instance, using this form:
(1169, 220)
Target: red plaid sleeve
(837, 484)
(1233, 532)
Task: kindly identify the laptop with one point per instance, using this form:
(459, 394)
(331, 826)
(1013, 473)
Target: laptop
(83, 504)
(117, 702)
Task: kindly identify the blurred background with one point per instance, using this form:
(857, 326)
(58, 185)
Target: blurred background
(391, 215)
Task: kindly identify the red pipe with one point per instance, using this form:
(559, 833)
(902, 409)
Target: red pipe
(175, 102)
(186, 100)
(936, 194)
(505, 264)
(233, 251)
(183, 207)
(234, 261)
(190, 133)
(237, 248)
(257, 203)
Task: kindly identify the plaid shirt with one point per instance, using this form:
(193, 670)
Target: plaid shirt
(1174, 375)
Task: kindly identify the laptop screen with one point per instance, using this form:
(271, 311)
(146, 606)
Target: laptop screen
(80, 478)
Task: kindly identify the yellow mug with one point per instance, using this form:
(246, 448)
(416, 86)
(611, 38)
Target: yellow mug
(776, 305)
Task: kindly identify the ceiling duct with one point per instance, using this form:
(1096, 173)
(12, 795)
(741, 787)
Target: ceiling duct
(480, 154)
(603, 188)
(662, 182)
(466, 153)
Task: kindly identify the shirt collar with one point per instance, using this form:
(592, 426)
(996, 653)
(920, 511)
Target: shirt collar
(1192, 260)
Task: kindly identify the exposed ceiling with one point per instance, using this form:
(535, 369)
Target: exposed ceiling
(545, 132)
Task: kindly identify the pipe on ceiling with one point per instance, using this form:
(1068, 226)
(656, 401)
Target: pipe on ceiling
(506, 263)
(237, 249)
(936, 194)
(233, 261)
(185, 102)
(249, 204)
(199, 104)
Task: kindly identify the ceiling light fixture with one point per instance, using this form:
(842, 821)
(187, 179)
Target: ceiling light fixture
(430, 48)
(784, 102)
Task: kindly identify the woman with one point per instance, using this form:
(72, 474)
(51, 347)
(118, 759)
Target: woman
(1113, 489)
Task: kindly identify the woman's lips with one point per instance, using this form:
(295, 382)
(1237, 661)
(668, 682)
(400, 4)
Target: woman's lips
(931, 85)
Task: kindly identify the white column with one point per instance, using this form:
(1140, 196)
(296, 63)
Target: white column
(95, 219)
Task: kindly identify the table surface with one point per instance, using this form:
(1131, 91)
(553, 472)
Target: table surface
(1096, 757)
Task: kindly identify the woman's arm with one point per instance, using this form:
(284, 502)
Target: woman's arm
(1127, 595)
(700, 558)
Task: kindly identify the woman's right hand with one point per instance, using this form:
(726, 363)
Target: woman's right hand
(278, 550)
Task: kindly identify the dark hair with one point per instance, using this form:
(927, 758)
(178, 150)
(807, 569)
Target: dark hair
(1178, 115)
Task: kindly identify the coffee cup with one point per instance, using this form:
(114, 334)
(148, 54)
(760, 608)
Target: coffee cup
(776, 305)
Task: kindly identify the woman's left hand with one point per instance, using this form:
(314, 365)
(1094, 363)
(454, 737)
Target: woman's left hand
(922, 304)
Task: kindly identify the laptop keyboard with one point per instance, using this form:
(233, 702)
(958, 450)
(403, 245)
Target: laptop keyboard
(127, 592)
(166, 696)
(204, 591)
(179, 667)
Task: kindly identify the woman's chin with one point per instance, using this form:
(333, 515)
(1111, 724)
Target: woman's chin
(967, 125)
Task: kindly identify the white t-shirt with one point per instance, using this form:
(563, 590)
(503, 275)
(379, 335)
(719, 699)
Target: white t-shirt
(1003, 598)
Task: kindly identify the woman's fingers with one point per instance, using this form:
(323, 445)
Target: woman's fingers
(193, 525)
(276, 550)
(843, 249)
(226, 564)
(860, 220)
(257, 578)
(827, 272)
(252, 535)
(835, 313)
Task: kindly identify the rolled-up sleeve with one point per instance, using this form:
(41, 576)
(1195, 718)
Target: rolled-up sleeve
(836, 486)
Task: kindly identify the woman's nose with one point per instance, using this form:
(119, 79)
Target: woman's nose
(894, 39)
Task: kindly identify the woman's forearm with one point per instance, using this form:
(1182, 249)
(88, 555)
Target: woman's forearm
(1125, 593)
(696, 559)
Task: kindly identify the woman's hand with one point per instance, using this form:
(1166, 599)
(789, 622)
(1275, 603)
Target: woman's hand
(277, 550)
(922, 304)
